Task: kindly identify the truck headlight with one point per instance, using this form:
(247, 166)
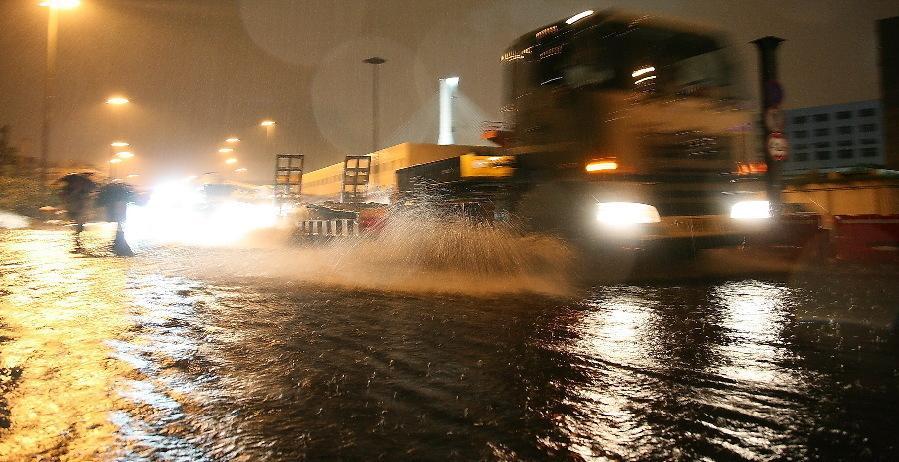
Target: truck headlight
(624, 214)
(750, 210)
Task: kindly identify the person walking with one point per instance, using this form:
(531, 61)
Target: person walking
(75, 190)
(115, 197)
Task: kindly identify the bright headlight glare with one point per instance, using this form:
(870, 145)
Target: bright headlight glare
(623, 214)
(750, 210)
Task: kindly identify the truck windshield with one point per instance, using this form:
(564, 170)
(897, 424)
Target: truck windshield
(650, 60)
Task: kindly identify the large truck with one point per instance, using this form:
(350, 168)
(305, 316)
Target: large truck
(617, 127)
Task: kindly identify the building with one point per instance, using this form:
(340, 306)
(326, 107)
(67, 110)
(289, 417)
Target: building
(327, 182)
(888, 43)
(835, 136)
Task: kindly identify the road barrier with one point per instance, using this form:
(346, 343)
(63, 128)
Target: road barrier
(329, 228)
(868, 238)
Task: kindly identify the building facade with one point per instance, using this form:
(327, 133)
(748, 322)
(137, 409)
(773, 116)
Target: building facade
(835, 136)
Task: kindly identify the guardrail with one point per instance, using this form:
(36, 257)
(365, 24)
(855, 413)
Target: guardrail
(329, 228)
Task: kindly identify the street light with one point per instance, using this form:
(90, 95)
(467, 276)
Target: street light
(125, 155)
(53, 7)
(61, 4)
(376, 63)
(232, 140)
(267, 123)
(231, 160)
(119, 144)
(117, 100)
(224, 150)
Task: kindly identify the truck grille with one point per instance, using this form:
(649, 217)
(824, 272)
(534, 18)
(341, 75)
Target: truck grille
(685, 150)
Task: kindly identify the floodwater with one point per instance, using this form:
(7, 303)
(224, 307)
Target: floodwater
(204, 354)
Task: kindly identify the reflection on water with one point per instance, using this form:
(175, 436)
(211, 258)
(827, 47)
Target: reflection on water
(124, 359)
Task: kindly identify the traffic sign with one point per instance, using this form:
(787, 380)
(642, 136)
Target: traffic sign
(778, 147)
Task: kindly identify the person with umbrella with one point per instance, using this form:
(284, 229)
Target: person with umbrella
(75, 190)
(115, 197)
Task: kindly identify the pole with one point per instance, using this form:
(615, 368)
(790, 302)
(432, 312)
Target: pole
(771, 98)
(374, 108)
(49, 89)
(375, 62)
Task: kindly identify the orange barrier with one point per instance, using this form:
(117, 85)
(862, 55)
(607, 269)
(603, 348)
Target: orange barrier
(868, 238)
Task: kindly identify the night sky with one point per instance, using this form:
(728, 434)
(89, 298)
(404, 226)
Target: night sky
(201, 70)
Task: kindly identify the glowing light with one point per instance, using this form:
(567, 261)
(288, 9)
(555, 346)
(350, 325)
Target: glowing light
(125, 155)
(133, 175)
(267, 123)
(115, 160)
(61, 4)
(601, 166)
(644, 79)
(232, 140)
(118, 100)
(119, 144)
(177, 212)
(240, 170)
(226, 150)
(448, 88)
(231, 161)
(751, 168)
(578, 17)
(751, 210)
(642, 71)
(626, 214)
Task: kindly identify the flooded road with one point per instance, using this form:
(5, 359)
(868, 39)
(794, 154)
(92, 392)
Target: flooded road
(142, 359)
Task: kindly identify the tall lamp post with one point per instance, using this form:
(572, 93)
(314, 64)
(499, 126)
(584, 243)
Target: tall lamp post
(53, 7)
(376, 63)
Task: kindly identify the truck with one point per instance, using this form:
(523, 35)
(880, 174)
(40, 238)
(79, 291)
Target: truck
(618, 129)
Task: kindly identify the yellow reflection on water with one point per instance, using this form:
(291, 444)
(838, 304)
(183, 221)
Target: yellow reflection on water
(58, 314)
(616, 337)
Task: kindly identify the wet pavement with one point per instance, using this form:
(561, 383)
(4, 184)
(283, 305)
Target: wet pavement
(141, 359)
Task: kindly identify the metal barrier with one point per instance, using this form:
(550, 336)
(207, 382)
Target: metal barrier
(329, 228)
(866, 237)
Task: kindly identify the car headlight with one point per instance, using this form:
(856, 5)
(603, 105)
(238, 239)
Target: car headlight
(750, 210)
(623, 214)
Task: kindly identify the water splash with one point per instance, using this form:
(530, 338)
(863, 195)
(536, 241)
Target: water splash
(418, 250)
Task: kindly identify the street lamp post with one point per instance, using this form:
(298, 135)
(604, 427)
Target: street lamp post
(53, 7)
(376, 63)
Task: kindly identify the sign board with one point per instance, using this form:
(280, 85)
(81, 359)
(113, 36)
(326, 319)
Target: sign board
(475, 166)
(778, 147)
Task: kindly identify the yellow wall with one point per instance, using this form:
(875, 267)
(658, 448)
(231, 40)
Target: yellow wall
(326, 182)
(876, 197)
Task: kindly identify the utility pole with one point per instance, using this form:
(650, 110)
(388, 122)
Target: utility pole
(375, 62)
(772, 119)
(49, 90)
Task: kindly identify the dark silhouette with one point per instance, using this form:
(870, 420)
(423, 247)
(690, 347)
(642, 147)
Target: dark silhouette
(115, 197)
(75, 190)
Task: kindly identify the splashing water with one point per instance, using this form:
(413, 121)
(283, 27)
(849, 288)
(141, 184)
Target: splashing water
(417, 251)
